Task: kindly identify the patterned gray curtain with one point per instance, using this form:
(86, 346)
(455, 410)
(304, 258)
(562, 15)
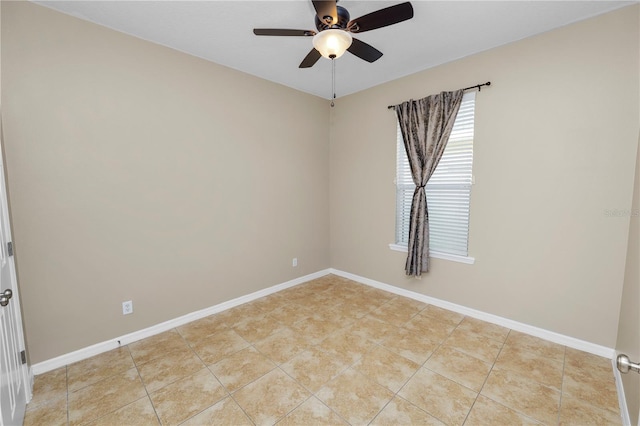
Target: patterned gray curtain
(426, 126)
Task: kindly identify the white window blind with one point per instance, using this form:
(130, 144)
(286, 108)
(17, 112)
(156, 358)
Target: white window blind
(448, 190)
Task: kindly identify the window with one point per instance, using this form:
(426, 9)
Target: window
(448, 191)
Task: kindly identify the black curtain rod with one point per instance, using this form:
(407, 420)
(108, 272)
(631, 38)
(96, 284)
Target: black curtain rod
(477, 86)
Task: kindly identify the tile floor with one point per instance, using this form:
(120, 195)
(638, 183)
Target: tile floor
(332, 351)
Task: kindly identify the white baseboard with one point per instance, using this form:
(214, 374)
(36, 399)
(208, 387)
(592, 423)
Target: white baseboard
(84, 353)
(494, 319)
(98, 348)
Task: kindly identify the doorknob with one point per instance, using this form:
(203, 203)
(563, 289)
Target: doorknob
(624, 364)
(5, 296)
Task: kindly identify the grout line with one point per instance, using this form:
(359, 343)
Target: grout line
(66, 380)
(231, 395)
(487, 378)
(564, 366)
(144, 386)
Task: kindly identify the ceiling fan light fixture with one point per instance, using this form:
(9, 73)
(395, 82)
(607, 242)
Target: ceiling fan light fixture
(332, 43)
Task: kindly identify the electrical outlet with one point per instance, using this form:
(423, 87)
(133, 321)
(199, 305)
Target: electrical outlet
(127, 307)
(294, 262)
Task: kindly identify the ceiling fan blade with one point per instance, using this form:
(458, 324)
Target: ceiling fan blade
(381, 18)
(324, 9)
(282, 32)
(364, 51)
(310, 60)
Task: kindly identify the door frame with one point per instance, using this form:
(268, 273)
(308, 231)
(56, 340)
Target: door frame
(25, 369)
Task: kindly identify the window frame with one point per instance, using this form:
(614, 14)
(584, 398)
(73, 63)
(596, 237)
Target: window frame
(398, 246)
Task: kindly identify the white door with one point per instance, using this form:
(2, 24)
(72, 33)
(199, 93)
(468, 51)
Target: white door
(15, 383)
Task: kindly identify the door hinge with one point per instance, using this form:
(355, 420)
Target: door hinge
(10, 248)
(23, 357)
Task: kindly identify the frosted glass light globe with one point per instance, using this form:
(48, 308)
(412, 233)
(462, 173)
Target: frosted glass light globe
(332, 43)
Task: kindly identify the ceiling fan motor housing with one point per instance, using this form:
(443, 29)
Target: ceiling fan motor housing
(343, 20)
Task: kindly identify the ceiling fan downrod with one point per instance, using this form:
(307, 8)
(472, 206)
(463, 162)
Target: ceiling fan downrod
(333, 81)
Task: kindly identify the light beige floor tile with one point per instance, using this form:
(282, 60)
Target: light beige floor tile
(473, 344)
(267, 304)
(372, 329)
(345, 346)
(576, 358)
(271, 397)
(459, 367)
(524, 395)
(444, 399)
(238, 314)
(317, 303)
(442, 315)
(101, 398)
(402, 412)
(323, 298)
(283, 346)
(298, 293)
(355, 397)
(532, 365)
(582, 413)
(258, 328)
(52, 412)
(591, 387)
(169, 368)
(188, 396)
(387, 316)
(99, 367)
(589, 365)
(218, 346)
(536, 346)
(435, 330)
(386, 368)
(348, 294)
(409, 304)
(335, 313)
(350, 311)
(316, 330)
(154, 347)
(312, 412)
(241, 368)
(313, 368)
(398, 311)
(487, 412)
(374, 297)
(49, 386)
(225, 412)
(328, 282)
(483, 328)
(348, 284)
(410, 344)
(361, 302)
(290, 314)
(140, 412)
(200, 329)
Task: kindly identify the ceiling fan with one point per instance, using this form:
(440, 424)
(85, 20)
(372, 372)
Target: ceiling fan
(334, 27)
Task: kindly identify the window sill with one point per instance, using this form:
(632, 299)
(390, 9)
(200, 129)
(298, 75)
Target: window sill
(438, 255)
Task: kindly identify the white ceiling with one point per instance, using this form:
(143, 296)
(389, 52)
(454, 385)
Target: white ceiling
(221, 31)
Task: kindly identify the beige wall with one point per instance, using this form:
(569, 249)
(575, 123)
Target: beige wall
(141, 173)
(629, 326)
(555, 149)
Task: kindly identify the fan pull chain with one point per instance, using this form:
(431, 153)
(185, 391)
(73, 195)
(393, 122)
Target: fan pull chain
(333, 81)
